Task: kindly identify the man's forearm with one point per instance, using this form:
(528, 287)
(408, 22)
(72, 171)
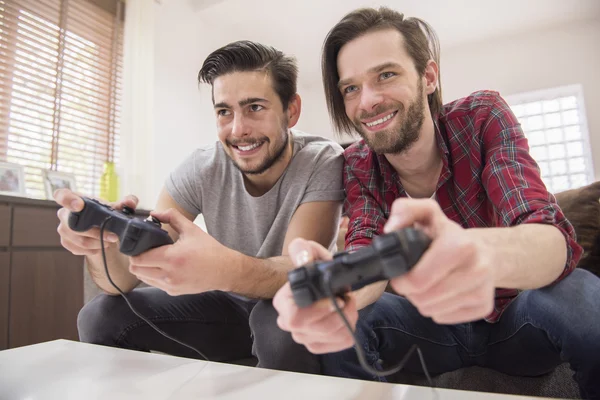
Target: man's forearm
(527, 256)
(118, 267)
(262, 278)
(256, 277)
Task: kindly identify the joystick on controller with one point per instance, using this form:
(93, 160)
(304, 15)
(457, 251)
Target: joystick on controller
(135, 235)
(389, 255)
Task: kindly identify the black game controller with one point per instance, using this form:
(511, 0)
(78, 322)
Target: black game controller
(389, 255)
(135, 235)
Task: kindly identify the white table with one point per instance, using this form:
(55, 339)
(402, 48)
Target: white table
(67, 370)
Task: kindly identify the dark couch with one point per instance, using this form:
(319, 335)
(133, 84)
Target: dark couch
(582, 208)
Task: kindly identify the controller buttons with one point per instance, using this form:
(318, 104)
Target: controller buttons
(340, 254)
(298, 276)
(128, 210)
(358, 257)
(386, 244)
(154, 221)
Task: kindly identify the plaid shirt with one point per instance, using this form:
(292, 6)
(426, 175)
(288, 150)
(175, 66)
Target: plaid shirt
(488, 179)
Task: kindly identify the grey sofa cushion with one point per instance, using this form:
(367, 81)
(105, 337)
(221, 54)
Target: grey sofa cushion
(557, 384)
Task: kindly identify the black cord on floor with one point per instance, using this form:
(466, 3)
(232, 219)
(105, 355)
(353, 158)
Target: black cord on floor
(156, 328)
(327, 279)
(359, 350)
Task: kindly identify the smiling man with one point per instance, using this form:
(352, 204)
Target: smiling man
(498, 286)
(259, 187)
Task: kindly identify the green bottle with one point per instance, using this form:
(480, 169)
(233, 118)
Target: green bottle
(109, 183)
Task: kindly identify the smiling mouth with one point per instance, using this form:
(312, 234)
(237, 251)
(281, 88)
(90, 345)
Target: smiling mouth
(382, 120)
(247, 147)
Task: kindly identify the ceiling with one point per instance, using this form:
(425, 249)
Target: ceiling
(300, 26)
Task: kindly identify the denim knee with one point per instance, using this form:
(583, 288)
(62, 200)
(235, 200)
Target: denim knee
(569, 310)
(270, 344)
(345, 363)
(275, 348)
(99, 321)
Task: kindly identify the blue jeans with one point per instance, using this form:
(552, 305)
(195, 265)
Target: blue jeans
(221, 326)
(539, 330)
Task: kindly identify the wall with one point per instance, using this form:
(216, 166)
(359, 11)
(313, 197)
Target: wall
(183, 115)
(539, 60)
(528, 61)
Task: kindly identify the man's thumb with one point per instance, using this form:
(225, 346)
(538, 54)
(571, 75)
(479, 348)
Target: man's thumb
(69, 200)
(172, 217)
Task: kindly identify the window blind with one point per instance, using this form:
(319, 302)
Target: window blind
(60, 88)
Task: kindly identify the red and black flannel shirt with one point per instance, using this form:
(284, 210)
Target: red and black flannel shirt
(488, 179)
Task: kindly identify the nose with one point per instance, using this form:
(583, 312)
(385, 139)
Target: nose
(239, 127)
(370, 98)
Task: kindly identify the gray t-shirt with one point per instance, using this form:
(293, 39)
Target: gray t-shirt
(208, 183)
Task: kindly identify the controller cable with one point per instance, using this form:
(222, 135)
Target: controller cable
(360, 351)
(156, 328)
(327, 280)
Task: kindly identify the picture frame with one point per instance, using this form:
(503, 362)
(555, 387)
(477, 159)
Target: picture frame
(54, 180)
(12, 179)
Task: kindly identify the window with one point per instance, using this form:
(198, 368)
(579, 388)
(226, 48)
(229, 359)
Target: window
(555, 126)
(60, 88)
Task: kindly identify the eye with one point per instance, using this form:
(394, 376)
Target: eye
(386, 75)
(349, 89)
(223, 112)
(255, 107)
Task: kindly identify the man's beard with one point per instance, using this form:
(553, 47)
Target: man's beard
(269, 160)
(395, 141)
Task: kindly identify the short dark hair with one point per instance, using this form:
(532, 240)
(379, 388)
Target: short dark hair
(243, 56)
(420, 40)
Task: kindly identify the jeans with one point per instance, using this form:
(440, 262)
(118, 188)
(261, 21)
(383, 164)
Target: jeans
(539, 330)
(219, 325)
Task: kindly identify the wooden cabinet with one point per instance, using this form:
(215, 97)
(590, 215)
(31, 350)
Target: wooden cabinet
(4, 284)
(50, 288)
(4, 273)
(4, 226)
(41, 284)
(35, 227)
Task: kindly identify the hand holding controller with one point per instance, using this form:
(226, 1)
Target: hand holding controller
(389, 256)
(135, 235)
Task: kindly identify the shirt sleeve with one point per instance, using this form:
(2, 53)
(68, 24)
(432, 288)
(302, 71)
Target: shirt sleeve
(512, 179)
(365, 214)
(325, 183)
(182, 184)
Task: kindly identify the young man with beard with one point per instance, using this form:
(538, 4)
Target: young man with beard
(498, 286)
(260, 186)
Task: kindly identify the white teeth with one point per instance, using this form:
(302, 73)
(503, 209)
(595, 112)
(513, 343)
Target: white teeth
(380, 120)
(250, 147)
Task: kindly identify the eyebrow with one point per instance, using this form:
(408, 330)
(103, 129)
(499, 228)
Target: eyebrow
(243, 102)
(374, 70)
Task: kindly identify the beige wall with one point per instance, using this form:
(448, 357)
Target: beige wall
(538, 60)
(543, 59)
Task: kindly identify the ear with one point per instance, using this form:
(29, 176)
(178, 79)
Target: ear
(431, 77)
(293, 110)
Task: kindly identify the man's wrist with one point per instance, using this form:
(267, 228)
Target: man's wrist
(490, 244)
(232, 269)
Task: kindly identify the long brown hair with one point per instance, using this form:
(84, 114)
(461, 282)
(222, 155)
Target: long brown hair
(421, 44)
